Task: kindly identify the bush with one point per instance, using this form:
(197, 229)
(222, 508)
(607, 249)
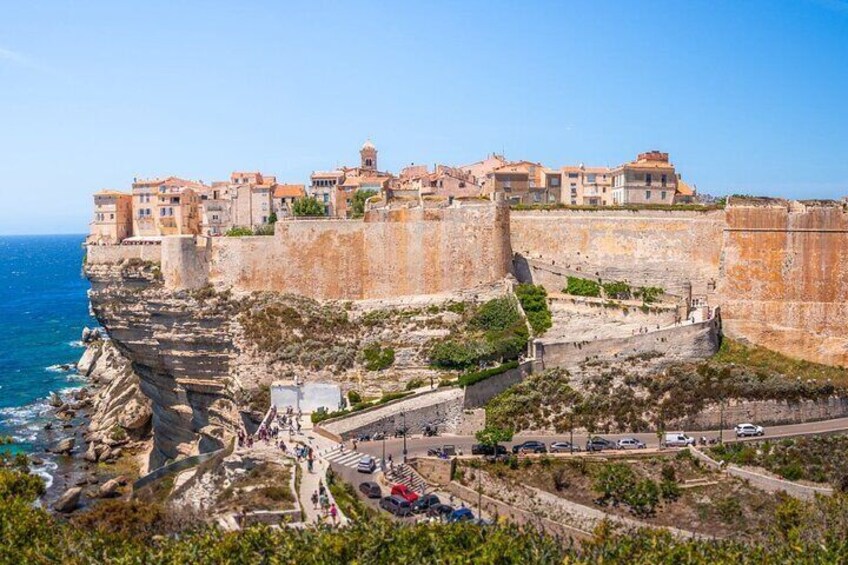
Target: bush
(469, 379)
(582, 287)
(377, 358)
(617, 289)
(669, 490)
(650, 294)
(354, 397)
(614, 482)
(389, 396)
(414, 383)
(643, 498)
(534, 301)
(496, 315)
(791, 471)
(307, 206)
(238, 232)
(358, 204)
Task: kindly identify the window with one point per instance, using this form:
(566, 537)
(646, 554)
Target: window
(264, 219)
(572, 175)
(214, 216)
(326, 198)
(590, 178)
(663, 180)
(647, 195)
(573, 201)
(648, 179)
(662, 195)
(162, 212)
(111, 216)
(554, 181)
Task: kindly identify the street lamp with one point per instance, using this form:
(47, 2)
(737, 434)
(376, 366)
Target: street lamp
(383, 462)
(403, 418)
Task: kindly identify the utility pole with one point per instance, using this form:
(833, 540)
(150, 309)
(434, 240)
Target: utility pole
(403, 417)
(480, 495)
(383, 461)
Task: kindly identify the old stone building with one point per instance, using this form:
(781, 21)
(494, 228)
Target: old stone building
(113, 219)
(650, 179)
(168, 206)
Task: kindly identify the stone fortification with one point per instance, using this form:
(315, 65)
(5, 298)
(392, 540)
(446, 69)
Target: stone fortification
(784, 279)
(645, 247)
(391, 253)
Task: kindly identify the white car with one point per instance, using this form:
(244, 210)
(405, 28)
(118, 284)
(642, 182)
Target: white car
(748, 430)
(366, 465)
(630, 443)
(676, 439)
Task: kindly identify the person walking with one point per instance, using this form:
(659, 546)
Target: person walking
(315, 500)
(334, 513)
(325, 503)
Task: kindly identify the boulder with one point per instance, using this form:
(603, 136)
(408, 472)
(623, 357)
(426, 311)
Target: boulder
(105, 454)
(90, 453)
(91, 334)
(88, 359)
(64, 446)
(69, 500)
(37, 461)
(109, 488)
(55, 400)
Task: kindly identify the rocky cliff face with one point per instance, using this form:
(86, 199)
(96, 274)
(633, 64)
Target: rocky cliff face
(179, 348)
(201, 356)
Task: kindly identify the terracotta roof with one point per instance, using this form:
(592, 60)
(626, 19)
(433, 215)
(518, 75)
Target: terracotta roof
(684, 189)
(289, 191)
(584, 169)
(108, 192)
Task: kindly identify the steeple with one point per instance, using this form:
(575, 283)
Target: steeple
(368, 156)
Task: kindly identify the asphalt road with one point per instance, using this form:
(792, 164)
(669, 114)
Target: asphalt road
(418, 445)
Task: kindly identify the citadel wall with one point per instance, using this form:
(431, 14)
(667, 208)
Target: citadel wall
(784, 279)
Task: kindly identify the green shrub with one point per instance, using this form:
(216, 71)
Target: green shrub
(238, 231)
(469, 379)
(614, 482)
(643, 498)
(307, 206)
(354, 397)
(582, 287)
(617, 289)
(358, 204)
(650, 294)
(534, 301)
(414, 383)
(496, 315)
(389, 396)
(669, 490)
(791, 471)
(378, 358)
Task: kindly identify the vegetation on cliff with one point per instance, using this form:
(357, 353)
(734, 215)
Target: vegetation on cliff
(820, 459)
(771, 362)
(633, 396)
(493, 332)
(534, 302)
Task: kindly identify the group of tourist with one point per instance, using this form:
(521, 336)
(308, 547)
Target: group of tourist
(321, 499)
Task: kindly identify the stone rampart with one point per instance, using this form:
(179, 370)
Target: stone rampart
(391, 253)
(764, 412)
(478, 394)
(645, 247)
(679, 343)
(785, 277)
(113, 254)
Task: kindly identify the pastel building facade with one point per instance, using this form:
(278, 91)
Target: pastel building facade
(650, 179)
(113, 219)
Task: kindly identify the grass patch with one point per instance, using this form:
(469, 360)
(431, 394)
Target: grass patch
(732, 351)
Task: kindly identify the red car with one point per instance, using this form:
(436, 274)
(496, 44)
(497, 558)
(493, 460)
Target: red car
(404, 492)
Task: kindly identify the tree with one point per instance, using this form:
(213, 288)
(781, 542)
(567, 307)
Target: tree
(272, 219)
(491, 436)
(358, 205)
(307, 206)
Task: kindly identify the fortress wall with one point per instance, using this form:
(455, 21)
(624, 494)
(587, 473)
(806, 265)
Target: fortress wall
(112, 254)
(683, 343)
(391, 253)
(785, 278)
(646, 247)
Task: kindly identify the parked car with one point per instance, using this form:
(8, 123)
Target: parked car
(424, 503)
(630, 443)
(481, 449)
(440, 511)
(748, 430)
(371, 490)
(404, 492)
(530, 447)
(461, 515)
(564, 447)
(598, 443)
(676, 439)
(396, 505)
(367, 464)
(430, 431)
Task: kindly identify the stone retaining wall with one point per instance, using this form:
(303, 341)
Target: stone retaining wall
(765, 412)
(112, 254)
(478, 394)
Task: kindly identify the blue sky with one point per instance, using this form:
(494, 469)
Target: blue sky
(746, 96)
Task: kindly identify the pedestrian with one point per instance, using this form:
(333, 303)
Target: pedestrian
(334, 513)
(298, 425)
(321, 488)
(315, 500)
(354, 443)
(325, 502)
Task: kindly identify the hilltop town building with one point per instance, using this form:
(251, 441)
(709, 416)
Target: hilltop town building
(250, 199)
(650, 179)
(113, 219)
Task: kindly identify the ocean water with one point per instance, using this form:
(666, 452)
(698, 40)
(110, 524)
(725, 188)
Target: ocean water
(43, 308)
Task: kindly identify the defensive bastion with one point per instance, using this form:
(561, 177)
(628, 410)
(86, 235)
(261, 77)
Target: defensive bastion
(778, 269)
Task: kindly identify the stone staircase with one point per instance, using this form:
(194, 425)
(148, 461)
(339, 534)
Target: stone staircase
(406, 475)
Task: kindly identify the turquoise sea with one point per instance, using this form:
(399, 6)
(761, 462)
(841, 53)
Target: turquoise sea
(43, 309)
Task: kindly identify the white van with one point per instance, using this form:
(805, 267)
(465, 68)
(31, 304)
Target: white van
(677, 439)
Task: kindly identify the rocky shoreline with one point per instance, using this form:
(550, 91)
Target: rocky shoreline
(98, 433)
